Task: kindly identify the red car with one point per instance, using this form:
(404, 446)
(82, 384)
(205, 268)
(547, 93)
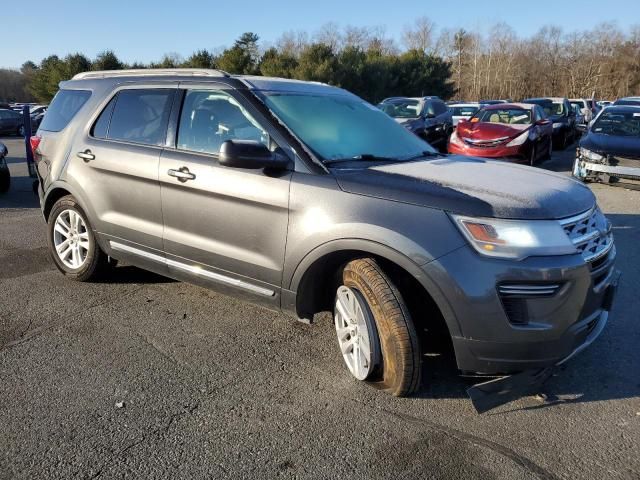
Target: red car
(518, 132)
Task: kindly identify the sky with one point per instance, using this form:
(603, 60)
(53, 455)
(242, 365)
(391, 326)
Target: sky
(144, 30)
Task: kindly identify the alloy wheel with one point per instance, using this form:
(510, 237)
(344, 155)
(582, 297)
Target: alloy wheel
(356, 332)
(71, 239)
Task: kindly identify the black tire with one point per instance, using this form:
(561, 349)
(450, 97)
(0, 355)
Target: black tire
(399, 372)
(547, 155)
(96, 262)
(565, 141)
(533, 156)
(5, 180)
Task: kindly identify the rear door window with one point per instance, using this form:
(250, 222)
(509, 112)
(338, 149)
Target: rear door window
(140, 116)
(63, 108)
(101, 127)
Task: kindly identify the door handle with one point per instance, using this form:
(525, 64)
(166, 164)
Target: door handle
(182, 174)
(86, 155)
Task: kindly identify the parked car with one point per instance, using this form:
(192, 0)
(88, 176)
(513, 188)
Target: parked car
(217, 174)
(463, 111)
(5, 175)
(509, 131)
(580, 120)
(427, 117)
(491, 102)
(628, 101)
(559, 111)
(610, 151)
(587, 107)
(604, 103)
(11, 122)
(37, 110)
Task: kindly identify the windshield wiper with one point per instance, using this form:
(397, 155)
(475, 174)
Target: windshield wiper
(364, 157)
(426, 153)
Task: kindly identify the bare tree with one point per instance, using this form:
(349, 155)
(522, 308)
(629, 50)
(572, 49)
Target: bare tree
(419, 35)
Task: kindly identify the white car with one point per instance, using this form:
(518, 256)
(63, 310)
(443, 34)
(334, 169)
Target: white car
(587, 107)
(463, 111)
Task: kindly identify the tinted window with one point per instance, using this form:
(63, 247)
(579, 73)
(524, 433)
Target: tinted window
(63, 108)
(141, 116)
(439, 107)
(338, 127)
(101, 127)
(209, 118)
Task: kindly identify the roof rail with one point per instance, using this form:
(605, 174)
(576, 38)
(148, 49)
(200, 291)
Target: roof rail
(141, 72)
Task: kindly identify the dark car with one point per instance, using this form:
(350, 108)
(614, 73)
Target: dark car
(303, 197)
(428, 117)
(11, 122)
(628, 101)
(560, 112)
(509, 131)
(5, 176)
(610, 151)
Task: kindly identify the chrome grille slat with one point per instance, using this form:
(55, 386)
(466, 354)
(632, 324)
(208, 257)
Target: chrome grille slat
(590, 232)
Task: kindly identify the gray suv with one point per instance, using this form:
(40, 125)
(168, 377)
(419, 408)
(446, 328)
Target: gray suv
(302, 197)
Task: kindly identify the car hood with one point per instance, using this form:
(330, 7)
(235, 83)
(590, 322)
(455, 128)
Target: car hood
(612, 145)
(489, 131)
(471, 186)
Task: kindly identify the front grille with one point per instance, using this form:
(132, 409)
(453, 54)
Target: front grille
(590, 232)
(485, 143)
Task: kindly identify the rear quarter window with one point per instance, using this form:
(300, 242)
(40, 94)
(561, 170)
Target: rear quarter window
(63, 108)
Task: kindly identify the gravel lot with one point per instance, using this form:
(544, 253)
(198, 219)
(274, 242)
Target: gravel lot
(215, 388)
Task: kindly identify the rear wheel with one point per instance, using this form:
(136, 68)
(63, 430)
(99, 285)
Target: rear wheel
(376, 335)
(72, 243)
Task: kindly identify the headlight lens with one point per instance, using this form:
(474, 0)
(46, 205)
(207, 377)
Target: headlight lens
(455, 139)
(515, 239)
(519, 140)
(588, 154)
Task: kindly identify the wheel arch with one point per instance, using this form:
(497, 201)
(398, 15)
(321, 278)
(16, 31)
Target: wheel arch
(315, 278)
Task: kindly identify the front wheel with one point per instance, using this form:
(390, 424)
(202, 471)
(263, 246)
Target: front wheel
(72, 243)
(376, 335)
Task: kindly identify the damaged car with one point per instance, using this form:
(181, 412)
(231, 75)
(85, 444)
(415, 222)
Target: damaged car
(610, 150)
(302, 197)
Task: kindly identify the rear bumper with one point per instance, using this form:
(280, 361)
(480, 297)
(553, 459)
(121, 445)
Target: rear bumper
(558, 326)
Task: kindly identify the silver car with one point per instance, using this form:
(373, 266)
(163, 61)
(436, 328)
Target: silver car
(304, 198)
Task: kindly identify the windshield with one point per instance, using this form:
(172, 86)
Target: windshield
(624, 124)
(463, 111)
(514, 116)
(406, 108)
(550, 108)
(340, 127)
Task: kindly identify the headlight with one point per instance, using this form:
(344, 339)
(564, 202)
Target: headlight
(557, 125)
(515, 239)
(589, 155)
(519, 140)
(455, 139)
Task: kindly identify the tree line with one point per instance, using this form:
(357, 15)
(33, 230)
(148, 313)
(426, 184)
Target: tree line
(460, 64)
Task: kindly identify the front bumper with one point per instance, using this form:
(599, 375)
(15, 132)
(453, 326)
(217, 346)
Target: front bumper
(584, 169)
(486, 338)
(519, 153)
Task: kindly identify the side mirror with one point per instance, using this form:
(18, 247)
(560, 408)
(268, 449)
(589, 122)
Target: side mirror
(250, 154)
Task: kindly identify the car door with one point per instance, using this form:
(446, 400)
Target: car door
(224, 227)
(4, 117)
(544, 128)
(116, 166)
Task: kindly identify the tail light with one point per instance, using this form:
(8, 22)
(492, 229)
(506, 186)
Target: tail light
(34, 142)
